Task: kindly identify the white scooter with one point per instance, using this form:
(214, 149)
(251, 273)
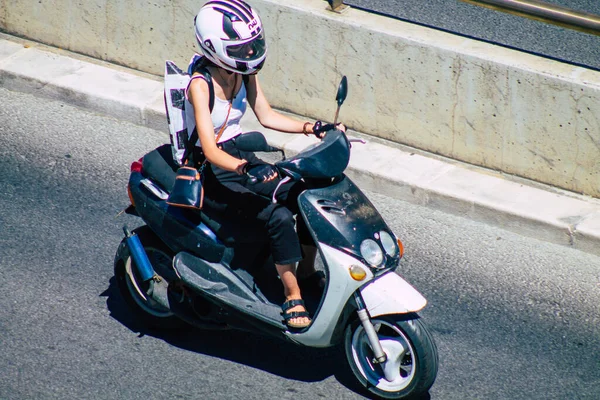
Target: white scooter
(186, 266)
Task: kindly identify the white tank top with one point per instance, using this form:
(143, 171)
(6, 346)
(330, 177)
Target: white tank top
(219, 113)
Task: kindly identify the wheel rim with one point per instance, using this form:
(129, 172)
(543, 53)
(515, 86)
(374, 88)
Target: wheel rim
(138, 289)
(400, 365)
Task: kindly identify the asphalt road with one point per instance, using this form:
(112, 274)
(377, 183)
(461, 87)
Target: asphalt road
(500, 28)
(513, 317)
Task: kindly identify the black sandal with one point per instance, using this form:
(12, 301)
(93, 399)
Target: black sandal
(294, 314)
(314, 283)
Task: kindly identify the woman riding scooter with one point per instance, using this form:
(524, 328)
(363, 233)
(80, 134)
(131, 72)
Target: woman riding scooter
(231, 37)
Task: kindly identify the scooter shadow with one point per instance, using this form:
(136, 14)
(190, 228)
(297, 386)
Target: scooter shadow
(277, 357)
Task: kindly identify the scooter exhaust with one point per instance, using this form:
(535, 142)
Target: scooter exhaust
(142, 263)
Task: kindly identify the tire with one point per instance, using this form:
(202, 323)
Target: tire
(133, 290)
(409, 347)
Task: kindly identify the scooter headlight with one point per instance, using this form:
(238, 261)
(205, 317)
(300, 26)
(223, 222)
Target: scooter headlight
(388, 243)
(371, 252)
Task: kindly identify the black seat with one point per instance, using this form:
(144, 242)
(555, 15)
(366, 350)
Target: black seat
(160, 166)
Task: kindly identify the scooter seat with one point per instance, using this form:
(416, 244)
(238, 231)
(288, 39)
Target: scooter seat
(160, 166)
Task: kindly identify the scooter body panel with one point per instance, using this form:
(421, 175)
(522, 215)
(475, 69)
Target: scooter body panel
(338, 292)
(390, 294)
(341, 216)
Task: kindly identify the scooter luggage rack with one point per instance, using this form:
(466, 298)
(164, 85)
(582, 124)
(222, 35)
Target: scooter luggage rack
(216, 280)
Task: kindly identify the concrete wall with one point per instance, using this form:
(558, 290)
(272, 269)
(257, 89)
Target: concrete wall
(460, 98)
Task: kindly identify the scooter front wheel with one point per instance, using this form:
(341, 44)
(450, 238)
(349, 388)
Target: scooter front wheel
(412, 359)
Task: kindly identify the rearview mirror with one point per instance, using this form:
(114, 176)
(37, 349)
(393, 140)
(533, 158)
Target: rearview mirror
(340, 97)
(342, 91)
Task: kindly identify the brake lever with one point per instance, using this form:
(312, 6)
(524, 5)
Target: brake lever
(363, 141)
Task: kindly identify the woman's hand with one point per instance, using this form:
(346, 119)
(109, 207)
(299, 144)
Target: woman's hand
(260, 173)
(320, 130)
(241, 168)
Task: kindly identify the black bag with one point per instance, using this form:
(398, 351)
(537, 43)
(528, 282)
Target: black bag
(187, 191)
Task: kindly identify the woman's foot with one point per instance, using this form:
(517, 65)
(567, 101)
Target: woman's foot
(293, 310)
(294, 313)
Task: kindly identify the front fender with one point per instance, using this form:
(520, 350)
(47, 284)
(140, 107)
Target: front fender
(390, 294)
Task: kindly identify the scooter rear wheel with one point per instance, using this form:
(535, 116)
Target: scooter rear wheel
(412, 359)
(134, 290)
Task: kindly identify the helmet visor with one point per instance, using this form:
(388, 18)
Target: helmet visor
(248, 51)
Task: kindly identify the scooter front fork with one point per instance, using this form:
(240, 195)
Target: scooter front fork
(365, 320)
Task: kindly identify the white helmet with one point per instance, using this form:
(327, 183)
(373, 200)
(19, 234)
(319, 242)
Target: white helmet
(230, 34)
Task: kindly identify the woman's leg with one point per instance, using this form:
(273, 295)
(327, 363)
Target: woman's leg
(306, 266)
(252, 201)
(237, 200)
(288, 196)
(311, 280)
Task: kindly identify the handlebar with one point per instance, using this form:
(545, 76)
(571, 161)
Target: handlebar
(325, 159)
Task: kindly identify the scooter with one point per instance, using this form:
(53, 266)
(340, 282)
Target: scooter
(191, 267)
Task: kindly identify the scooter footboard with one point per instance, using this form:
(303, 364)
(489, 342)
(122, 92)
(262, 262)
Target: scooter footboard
(220, 283)
(390, 294)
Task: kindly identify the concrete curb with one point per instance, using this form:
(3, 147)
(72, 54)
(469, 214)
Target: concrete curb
(523, 207)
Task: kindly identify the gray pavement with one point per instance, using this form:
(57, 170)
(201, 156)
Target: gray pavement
(391, 169)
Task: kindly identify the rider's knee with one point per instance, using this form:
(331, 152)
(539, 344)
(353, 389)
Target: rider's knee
(282, 217)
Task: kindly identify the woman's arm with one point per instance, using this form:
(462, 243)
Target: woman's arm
(198, 95)
(268, 117)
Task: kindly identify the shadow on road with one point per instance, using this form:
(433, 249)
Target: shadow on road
(277, 357)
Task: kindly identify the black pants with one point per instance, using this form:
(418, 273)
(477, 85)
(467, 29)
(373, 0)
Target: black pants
(232, 195)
